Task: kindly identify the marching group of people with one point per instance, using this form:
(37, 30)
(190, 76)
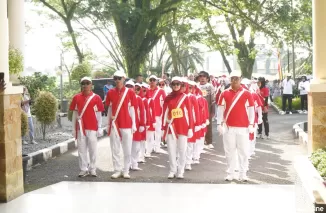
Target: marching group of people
(141, 116)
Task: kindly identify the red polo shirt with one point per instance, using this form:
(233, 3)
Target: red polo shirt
(113, 98)
(238, 116)
(89, 117)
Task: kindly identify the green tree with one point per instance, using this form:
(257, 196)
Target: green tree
(38, 82)
(139, 24)
(66, 11)
(81, 71)
(45, 109)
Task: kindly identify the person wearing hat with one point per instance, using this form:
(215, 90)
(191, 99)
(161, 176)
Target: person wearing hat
(140, 125)
(303, 88)
(122, 105)
(235, 121)
(157, 95)
(287, 93)
(208, 91)
(87, 110)
(177, 125)
(147, 148)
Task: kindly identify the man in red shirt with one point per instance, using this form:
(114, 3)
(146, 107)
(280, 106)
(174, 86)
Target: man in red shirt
(232, 110)
(87, 110)
(121, 103)
(157, 95)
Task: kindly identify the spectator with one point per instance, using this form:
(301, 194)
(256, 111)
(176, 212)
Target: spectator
(2, 85)
(276, 91)
(303, 88)
(139, 79)
(287, 87)
(27, 109)
(263, 94)
(106, 88)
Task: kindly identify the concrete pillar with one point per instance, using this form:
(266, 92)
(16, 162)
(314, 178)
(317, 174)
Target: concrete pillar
(11, 172)
(4, 67)
(317, 91)
(16, 23)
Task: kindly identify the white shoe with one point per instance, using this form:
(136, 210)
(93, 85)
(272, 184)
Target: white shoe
(243, 177)
(228, 178)
(267, 137)
(93, 173)
(136, 168)
(34, 142)
(210, 146)
(171, 175)
(260, 136)
(188, 167)
(142, 160)
(148, 155)
(83, 174)
(305, 111)
(126, 176)
(116, 175)
(180, 176)
(290, 113)
(195, 161)
(25, 143)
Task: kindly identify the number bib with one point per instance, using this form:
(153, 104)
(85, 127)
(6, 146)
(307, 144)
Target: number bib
(204, 92)
(177, 113)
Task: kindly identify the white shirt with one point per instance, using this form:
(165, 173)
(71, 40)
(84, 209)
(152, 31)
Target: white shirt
(288, 86)
(303, 87)
(26, 107)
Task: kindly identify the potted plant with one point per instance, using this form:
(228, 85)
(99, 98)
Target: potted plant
(16, 64)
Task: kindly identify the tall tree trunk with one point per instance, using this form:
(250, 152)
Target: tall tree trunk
(133, 66)
(74, 41)
(174, 54)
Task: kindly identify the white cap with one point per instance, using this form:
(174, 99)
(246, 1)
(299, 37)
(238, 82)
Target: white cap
(86, 79)
(192, 83)
(176, 78)
(235, 73)
(145, 85)
(245, 81)
(120, 73)
(289, 75)
(153, 76)
(184, 79)
(138, 84)
(160, 79)
(130, 82)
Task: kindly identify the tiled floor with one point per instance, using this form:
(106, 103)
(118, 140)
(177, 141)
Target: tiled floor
(102, 197)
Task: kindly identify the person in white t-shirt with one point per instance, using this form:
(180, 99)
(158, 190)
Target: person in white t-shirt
(287, 88)
(27, 109)
(303, 88)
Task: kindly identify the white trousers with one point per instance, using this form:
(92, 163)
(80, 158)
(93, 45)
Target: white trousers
(158, 133)
(142, 150)
(197, 149)
(252, 146)
(149, 141)
(236, 142)
(177, 148)
(135, 151)
(87, 145)
(190, 152)
(126, 143)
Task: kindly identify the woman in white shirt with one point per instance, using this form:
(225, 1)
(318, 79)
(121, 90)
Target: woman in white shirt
(303, 88)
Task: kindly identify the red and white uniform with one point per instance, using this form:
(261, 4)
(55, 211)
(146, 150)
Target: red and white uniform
(90, 122)
(232, 108)
(138, 135)
(180, 120)
(158, 95)
(125, 123)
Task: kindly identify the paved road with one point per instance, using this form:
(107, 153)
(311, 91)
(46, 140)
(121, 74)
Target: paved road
(273, 163)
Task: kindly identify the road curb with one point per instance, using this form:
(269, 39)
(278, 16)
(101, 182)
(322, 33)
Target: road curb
(278, 110)
(51, 152)
(298, 131)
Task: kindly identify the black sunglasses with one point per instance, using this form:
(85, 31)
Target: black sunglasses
(144, 90)
(190, 87)
(137, 89)
(183, 85)
(161, 84)
(175, 84)
(129, 86)
(152, 80)
(117, 78)
(202, 76)
(85, 83)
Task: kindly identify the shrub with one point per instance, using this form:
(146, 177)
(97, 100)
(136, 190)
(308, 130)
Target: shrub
(45, 109)
(81, 71)
(24, 123)
(16, 61)
(296, 104)
(318, 159)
